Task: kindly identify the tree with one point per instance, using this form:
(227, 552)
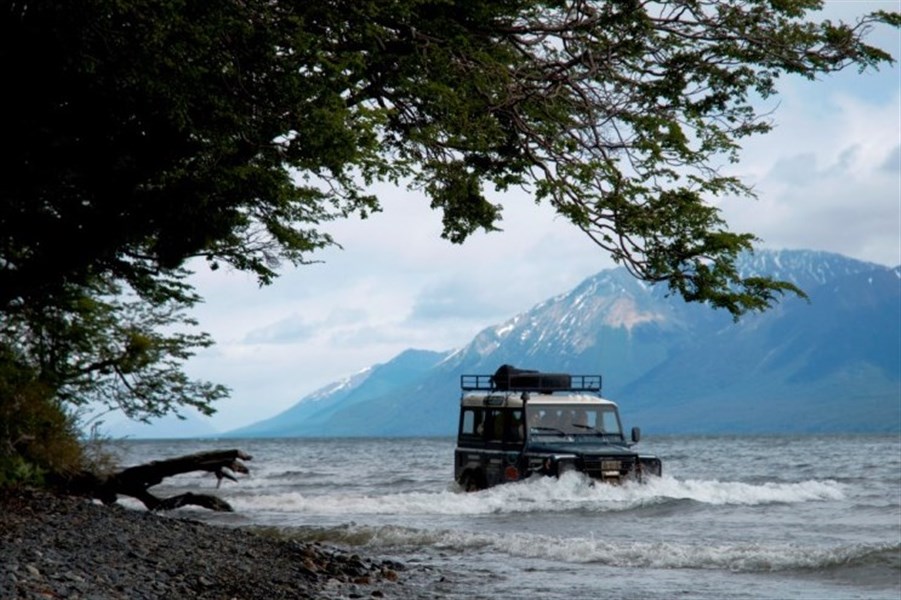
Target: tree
(143, 133)
(90, 345)
(94, 345)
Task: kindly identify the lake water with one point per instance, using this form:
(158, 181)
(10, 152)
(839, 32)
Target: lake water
(806, 517)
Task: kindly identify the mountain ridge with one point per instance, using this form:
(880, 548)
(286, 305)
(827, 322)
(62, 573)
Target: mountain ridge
(675, 367)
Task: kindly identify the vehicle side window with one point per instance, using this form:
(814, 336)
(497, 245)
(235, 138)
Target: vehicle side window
(471, 423)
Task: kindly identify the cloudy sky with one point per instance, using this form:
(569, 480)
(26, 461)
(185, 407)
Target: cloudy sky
(828, 178)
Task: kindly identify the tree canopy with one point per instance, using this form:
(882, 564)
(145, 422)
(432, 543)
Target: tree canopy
(139, 134)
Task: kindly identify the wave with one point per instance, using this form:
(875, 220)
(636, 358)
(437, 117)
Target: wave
(293, 475)
(736, 557)
(570, 493)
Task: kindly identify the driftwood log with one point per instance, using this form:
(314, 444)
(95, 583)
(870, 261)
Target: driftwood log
(136, 481)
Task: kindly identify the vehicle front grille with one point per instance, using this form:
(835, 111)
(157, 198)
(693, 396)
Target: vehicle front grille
(605, 467)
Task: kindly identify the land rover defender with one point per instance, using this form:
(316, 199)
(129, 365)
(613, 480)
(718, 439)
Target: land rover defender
(517, 423)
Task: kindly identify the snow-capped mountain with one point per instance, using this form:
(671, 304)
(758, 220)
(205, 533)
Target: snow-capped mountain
(830, 364)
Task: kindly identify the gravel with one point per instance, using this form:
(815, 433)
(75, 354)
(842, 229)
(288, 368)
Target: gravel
(63, 547)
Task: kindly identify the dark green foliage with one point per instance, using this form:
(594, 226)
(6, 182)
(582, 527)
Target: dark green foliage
(95, 345)
(143, 133)
(139, 134)
(37, 435)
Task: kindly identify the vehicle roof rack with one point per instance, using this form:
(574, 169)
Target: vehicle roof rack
(508, 378)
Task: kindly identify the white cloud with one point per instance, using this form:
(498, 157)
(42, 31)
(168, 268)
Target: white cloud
(822, 176)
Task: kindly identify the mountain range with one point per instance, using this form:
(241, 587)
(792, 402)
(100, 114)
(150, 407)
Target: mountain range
(828, 364)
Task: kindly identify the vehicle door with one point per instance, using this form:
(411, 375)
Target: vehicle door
(504, 444)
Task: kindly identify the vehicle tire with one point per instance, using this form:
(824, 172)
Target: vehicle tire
(472, 482)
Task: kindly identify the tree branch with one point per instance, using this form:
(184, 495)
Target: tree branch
(136, 481)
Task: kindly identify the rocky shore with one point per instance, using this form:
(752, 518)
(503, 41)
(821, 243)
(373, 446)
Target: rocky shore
(64, 547)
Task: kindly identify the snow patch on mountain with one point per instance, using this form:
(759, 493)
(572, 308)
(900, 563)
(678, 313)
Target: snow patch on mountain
(347, 383)
(804, 268)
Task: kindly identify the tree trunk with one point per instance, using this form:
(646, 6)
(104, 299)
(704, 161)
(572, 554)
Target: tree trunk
(136, 481)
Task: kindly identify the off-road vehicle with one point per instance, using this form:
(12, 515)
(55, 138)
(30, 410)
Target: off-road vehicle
(516, 423)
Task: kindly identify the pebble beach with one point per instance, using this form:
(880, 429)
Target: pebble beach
(65, 547)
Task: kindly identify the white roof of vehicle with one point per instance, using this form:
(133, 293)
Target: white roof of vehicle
(514, 399)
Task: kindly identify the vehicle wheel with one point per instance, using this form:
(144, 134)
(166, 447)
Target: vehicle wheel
(471, 482)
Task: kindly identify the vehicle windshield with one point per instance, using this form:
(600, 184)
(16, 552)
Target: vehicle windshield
(573, 420)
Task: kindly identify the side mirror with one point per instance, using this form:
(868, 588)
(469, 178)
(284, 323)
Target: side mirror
(636, 435)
